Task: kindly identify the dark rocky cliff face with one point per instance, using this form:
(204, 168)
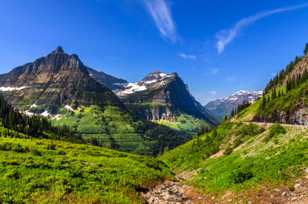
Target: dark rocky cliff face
(163, 96)
(52, 81)
(107, 80)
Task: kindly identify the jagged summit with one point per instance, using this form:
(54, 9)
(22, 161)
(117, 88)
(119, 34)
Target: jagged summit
(225, 106)
(157, 75)
(163, 96)
(58, 50)
(55, 80)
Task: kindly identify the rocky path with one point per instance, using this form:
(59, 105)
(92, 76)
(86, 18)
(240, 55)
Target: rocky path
(171, 192)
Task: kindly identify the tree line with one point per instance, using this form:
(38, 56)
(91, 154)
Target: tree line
(280, 77)
(34, 126)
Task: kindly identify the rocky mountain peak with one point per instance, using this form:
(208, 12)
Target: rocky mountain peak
(55, 80)
(158, 75)
(58, 50)
(224, 106)
(162, 96)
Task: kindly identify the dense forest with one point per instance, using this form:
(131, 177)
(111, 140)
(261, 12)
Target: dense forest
(34, 126)
(291, 83)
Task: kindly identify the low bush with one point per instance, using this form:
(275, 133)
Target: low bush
(275, 130)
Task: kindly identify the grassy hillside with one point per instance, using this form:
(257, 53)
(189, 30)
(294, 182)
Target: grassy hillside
(239, 156)
(285, 98)
(49, 171)
(112, 128)
(182, 122)
(281, 108)
(188, 124)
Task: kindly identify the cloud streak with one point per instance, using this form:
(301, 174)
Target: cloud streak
(188, 56)
(162, 17)
(227, 36)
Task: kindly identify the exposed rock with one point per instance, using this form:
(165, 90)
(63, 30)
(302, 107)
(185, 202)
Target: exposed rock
(172, 193)
(225, 106)
(163, 96)
(55, 80)
(107, 80)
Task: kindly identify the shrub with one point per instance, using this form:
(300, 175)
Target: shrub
(242, 175)
(20, 149)
(275, 130)
(228, 150)
(36, 152)
(251, 130)
(5, 146)
(51, 147)
(13, 174)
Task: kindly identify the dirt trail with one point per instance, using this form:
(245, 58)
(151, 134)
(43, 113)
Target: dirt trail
(175, 192)
(171, 192)
(265, 124)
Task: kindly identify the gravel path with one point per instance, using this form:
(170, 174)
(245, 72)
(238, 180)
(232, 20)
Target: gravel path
(171, 192)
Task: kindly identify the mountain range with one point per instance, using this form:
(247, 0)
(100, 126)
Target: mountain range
(162, 96)
(54, 81)
(52, 106)
(59, 86)
(225, 106)
(106, 110)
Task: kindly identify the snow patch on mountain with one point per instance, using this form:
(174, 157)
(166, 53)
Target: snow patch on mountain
(69, 108)
(45, 114)
(33, 106)
(243, 96)
(131, 88)
(224, 106)
(7, 89)
(155, 79)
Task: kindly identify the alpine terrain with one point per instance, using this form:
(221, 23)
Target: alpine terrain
(285, 96)
(73, 133)
(254, 157)
(165, 99)
(224, 107)
(59, 86)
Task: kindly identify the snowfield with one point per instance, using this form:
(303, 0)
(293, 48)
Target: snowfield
(7, 89)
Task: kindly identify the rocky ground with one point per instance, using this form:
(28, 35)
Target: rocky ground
(171, 192)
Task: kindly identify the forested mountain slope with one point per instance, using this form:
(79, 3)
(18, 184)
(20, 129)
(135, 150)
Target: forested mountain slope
(285, 99)
(254, 156)
(59, 87)
(239, 161)
(165, 99)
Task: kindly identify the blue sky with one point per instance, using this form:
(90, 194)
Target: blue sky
(217, 47)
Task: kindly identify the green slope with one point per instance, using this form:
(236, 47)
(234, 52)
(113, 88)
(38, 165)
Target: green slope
(285, 98)
(49, 171)
(113, 128)
(187, 124)
(239, 156)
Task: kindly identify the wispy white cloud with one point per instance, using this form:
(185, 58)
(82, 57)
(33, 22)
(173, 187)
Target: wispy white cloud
(161, 13)
(187, 56)
(225, 37)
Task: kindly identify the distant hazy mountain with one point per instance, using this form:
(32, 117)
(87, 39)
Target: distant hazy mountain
(161, 96)
(222, 107)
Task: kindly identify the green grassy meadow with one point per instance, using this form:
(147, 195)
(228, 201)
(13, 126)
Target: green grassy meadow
(50, 171)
